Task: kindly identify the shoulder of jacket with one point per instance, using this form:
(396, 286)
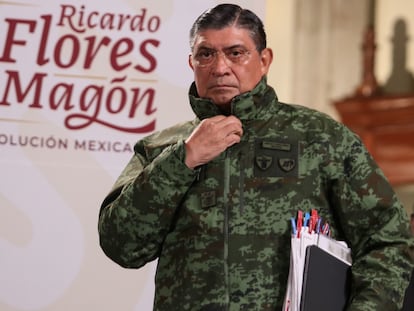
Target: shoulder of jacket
(312, 117)
(167, 136)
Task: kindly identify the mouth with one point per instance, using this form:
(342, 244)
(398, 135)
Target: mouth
(221, 87)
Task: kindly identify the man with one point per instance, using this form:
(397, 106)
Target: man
(212, 198)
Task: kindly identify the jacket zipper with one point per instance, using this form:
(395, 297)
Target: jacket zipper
(226, 192)
(241, 182)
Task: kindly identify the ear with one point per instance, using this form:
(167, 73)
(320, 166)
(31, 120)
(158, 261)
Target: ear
(266, 57)
(190, 61)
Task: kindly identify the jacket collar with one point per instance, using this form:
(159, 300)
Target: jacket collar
(244, 106)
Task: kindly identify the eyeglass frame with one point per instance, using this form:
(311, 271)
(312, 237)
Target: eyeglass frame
(242, 58)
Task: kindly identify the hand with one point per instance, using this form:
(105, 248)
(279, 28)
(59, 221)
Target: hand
(210, 138)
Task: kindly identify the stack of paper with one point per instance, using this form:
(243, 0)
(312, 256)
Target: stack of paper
(312, 246)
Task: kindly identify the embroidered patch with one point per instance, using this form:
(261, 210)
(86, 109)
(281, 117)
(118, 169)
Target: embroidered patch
(208, 199)
(276, 158)
(276, 145)
(263, 162)
(287, 164)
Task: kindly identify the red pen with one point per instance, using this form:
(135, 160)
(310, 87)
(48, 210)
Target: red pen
(299, 223)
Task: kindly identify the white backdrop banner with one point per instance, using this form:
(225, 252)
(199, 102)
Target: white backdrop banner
(80, 83)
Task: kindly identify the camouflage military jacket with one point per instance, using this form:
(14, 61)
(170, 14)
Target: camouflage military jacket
(221, 233)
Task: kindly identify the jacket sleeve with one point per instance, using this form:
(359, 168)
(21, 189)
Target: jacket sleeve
(137, 214)
(377, 228)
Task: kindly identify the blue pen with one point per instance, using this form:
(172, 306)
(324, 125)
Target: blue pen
(292, 220)
(318, 226)
(307, 217)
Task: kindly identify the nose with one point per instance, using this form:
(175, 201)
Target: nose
(221, 64)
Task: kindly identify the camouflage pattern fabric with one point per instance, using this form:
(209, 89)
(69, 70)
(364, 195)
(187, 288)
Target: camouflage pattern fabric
(222, 232)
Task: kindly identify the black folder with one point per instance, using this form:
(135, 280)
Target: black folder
(326, 281)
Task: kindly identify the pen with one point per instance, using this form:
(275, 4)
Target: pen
(318, 225)
(314, 217)
(325, 229)
(307, 217)
(292, 220)
(299, 223)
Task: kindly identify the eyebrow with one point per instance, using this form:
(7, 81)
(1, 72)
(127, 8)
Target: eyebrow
(235, 46)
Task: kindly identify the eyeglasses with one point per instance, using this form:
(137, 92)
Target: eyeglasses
(236, 55)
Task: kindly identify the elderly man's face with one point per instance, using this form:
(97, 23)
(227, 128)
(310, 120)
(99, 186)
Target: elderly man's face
(226, 63)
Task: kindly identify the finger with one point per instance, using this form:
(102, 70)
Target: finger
(232, 139)
(216, 119)
(233, 128)
(227, 120)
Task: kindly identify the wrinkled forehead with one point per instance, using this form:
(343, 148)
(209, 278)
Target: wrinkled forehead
(224, 38)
